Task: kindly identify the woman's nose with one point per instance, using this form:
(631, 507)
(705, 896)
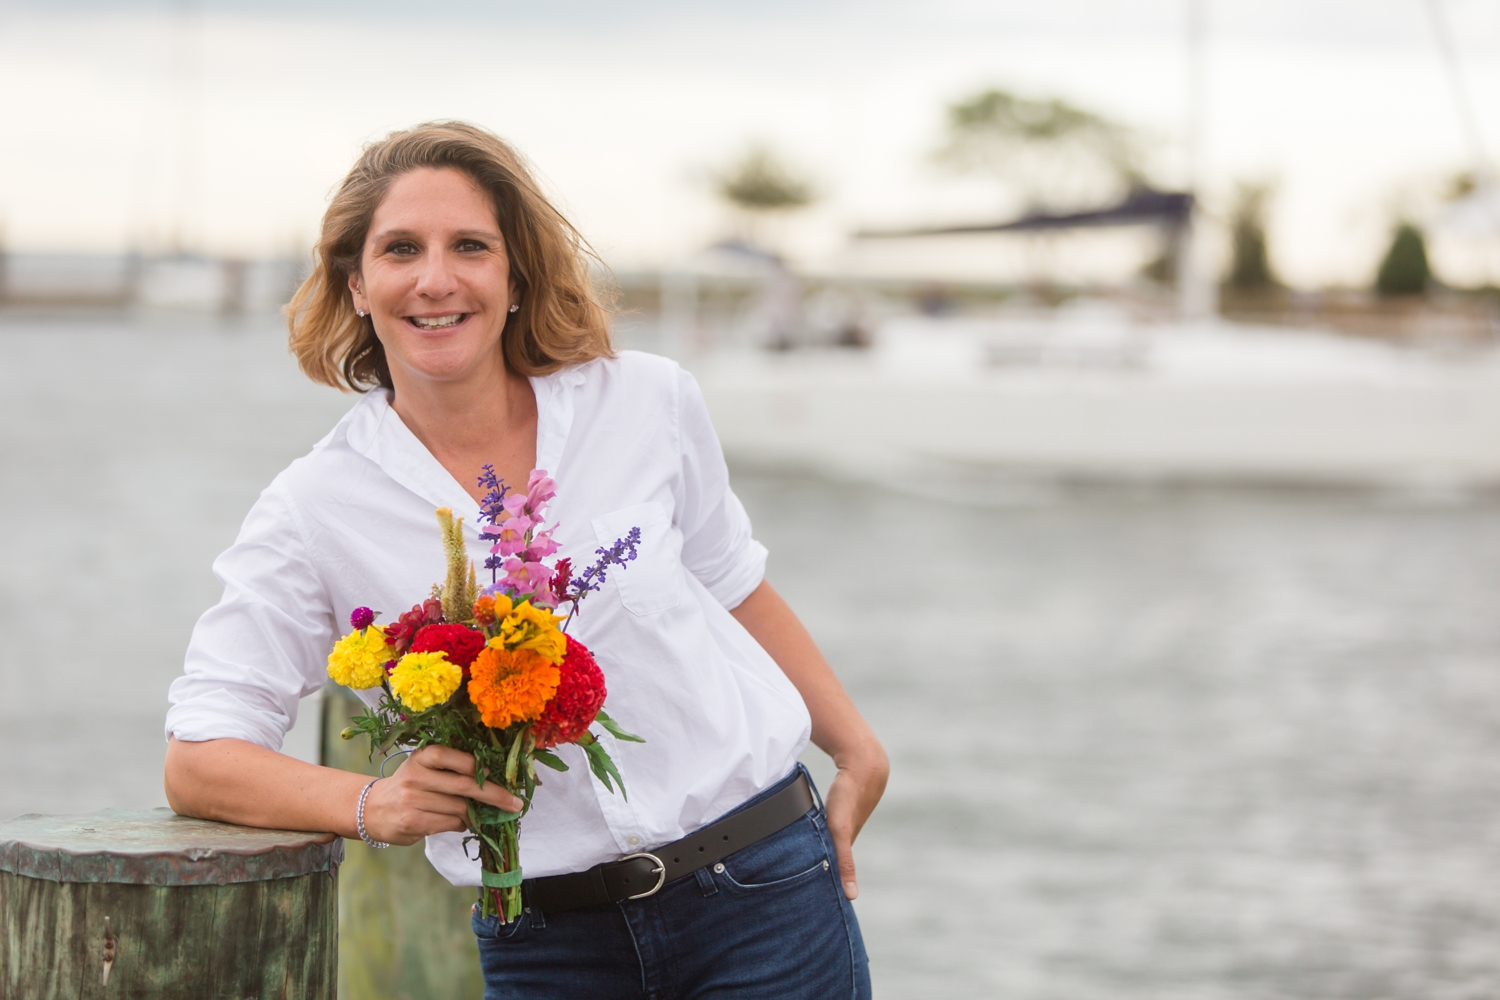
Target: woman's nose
(436, 277)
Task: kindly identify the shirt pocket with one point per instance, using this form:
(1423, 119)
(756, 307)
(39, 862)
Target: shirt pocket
(651, 582)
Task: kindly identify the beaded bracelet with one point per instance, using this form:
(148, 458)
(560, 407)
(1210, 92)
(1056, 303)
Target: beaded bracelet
(359, 818)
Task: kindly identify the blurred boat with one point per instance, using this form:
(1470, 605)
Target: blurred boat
(1086, 394)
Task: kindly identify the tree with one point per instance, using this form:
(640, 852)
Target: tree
(1405, 270)
(1054, 151)
(1250, 267)
(760, 182)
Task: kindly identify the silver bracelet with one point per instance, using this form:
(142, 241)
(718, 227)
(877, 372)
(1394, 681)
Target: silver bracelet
(359, 818)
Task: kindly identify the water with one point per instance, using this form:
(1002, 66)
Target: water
(1198, 744)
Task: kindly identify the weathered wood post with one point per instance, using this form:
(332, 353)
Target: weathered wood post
(405, 930)
(124, 904)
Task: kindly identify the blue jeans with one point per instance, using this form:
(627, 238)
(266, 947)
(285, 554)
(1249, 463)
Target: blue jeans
(773, 922)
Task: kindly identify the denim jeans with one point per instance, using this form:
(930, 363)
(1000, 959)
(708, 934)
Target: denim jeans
(770, 921)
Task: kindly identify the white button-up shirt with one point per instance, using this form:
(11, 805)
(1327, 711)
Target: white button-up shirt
(630, 444)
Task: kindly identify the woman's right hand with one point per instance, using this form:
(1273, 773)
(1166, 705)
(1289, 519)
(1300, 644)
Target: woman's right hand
(427, 795)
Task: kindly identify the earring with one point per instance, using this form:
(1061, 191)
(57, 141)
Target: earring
(515, 308)
(360, 313)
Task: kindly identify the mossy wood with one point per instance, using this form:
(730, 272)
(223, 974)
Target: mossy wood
(404, 928)
(175, 908)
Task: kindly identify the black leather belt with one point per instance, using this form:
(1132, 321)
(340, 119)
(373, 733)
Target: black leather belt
(638, 875)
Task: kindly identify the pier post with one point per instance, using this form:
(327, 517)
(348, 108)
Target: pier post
(145, 903)
(405, 930)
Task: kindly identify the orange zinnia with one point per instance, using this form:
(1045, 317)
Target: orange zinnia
(511, 686)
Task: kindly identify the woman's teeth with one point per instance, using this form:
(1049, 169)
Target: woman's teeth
(437, 322)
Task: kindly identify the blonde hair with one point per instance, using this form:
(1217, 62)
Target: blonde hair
(561, 321)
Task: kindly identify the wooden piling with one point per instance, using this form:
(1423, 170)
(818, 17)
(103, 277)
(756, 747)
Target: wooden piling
(125, 904)
(405, 929)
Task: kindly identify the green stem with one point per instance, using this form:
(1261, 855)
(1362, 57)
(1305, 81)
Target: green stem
(507, 837)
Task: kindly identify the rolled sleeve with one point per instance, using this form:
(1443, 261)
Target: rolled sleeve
(718, 547)
(261, 649)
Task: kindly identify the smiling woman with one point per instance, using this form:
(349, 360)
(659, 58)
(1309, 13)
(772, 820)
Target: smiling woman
(539, 256)
(457, 301)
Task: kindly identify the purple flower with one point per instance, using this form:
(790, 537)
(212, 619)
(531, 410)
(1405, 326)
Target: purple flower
(492, 509)
(362, 618)
(618, 554)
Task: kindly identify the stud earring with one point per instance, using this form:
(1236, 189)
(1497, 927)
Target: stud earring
(360, 313)
(515, 308)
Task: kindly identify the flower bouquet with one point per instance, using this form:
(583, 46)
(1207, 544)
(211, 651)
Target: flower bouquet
(491, 672)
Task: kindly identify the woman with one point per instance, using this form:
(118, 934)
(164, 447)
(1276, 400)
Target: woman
(451, 293)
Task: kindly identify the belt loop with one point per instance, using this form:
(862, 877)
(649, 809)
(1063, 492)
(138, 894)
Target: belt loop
(539, 919)
(817, 795)
(706, 882)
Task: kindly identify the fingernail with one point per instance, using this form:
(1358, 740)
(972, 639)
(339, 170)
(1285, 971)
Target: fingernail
(851, 890)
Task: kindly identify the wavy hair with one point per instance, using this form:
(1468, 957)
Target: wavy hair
(561, 321)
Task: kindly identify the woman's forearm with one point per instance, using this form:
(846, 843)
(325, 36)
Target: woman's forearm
(837, 727)
(234, 781)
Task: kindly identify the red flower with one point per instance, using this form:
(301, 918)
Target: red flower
(400, 633)
(580, 695)
(562, 575)
(460, 642)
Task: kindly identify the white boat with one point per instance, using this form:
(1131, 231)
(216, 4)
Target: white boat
(1088, 394)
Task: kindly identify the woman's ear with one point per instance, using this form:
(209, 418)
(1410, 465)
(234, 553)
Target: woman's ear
(356, 292)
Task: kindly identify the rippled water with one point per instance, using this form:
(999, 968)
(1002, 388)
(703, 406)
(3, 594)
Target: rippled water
(1193, 744)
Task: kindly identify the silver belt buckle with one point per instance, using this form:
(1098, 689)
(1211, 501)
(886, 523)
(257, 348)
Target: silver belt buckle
(660, 871)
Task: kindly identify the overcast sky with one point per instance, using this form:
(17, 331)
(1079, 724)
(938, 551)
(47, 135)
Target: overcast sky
(626, 108)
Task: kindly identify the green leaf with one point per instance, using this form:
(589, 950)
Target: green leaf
(598, 767)
(604, 767)
(614, 729)
(513, 761)
(550, 759)
(489, 815)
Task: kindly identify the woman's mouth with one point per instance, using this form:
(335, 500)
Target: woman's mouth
(437, 322)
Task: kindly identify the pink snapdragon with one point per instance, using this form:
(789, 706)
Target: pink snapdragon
(541, 546)
(515, 504)
(524, 577)
(511, 538)
(539, 489)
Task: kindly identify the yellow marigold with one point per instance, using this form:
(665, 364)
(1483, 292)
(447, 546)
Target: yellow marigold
(534, 628)
(510, 686)
(358, 659)
(422, 680)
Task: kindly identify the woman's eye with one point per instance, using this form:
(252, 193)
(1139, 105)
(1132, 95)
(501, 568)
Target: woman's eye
(471, 246)
(402, 248)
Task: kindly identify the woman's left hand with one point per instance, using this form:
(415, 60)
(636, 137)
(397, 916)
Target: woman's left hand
(855, 791)
(837, 727)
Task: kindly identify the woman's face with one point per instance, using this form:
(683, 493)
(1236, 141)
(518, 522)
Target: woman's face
(435, 278)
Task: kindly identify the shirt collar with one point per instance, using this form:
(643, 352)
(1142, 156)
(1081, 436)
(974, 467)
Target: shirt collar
(555, 395)
(377, 432)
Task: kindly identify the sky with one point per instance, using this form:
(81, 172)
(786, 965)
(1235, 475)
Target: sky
(224, 124)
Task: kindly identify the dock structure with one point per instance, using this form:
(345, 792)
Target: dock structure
(405, 930)
(145, 903)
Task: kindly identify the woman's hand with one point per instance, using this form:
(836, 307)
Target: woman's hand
(427, 795)
(855, 791)
(837, 727)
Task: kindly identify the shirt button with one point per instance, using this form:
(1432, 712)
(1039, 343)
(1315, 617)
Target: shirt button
(634, 841)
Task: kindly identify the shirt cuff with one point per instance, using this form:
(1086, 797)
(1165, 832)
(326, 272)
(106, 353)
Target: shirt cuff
(741, 578)
(220, 716)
